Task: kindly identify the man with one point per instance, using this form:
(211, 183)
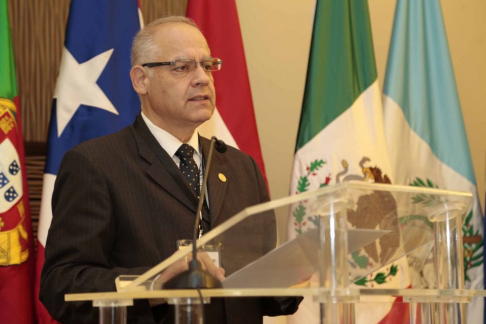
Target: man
(121, 202)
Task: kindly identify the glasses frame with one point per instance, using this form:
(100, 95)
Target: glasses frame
(216, 63)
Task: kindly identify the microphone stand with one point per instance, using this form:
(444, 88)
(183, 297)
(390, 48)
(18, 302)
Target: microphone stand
(196, 277)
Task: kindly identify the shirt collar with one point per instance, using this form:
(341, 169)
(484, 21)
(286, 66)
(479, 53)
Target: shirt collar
(169, 142)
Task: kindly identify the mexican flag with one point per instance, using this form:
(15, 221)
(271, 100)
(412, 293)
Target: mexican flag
(341, 134)
(16, 241)
(424, 126)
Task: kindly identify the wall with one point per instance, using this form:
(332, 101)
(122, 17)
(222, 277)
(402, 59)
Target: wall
(277, 36)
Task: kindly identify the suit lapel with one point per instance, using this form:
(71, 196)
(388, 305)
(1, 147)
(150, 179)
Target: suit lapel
(162, 168)
(216, 186)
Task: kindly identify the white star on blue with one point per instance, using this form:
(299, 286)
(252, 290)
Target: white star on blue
(94, 77)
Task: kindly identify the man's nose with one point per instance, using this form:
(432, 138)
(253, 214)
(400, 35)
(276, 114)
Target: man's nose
(201, 77)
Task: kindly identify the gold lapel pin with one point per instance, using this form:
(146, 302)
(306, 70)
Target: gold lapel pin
(222, 177)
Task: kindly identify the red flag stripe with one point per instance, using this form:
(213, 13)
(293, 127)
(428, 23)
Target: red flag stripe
(43, 316)
(399, 313)
(218, 20)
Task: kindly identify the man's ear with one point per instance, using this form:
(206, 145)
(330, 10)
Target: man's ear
(140, 80)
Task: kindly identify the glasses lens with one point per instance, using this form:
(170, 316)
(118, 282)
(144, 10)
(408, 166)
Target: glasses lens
(184, 65)
(213, 64)
(207, 65)
(187, 65)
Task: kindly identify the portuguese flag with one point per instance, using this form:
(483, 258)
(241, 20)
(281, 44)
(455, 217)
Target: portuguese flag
(16, 253)
(341, 136)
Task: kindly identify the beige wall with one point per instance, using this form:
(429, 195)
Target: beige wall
(466, 30)
(276, 35)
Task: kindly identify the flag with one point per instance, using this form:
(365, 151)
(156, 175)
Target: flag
(93, 94)
(234, 119)
(16, 244)
(341, 137)
(424, 126)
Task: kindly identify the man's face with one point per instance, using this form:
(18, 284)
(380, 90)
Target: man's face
(177, 100)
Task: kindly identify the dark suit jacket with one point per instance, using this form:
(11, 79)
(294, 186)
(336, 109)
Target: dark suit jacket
(117, 210)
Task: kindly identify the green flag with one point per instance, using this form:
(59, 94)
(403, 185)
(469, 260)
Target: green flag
(341, 65)
(8, 83)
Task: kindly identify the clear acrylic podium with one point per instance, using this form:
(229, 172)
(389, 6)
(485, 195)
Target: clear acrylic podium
(344, 234)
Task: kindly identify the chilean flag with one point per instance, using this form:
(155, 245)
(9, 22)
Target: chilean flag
(93, 95)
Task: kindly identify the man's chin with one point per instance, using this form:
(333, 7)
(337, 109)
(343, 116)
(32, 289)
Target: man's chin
(203, 116)
(206, 113)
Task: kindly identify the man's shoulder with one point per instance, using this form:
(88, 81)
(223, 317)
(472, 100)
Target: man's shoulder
(234, 159)
(230, 151)
(107, 144)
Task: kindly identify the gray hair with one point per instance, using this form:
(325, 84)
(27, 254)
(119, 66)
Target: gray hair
(143, 44)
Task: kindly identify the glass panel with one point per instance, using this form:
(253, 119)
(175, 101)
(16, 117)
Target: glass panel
(348, 232)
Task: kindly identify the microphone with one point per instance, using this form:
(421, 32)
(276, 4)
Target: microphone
(219, 145)
(196, 277)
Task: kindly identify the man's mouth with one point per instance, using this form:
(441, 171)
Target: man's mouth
(199, 98)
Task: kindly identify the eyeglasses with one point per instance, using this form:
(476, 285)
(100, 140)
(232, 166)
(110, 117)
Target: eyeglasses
(188, 65)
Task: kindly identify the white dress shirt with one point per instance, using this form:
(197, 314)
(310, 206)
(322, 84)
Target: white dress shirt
(171, 144)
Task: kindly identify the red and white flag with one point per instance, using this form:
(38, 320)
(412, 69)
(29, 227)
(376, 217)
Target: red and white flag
(234, 119)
